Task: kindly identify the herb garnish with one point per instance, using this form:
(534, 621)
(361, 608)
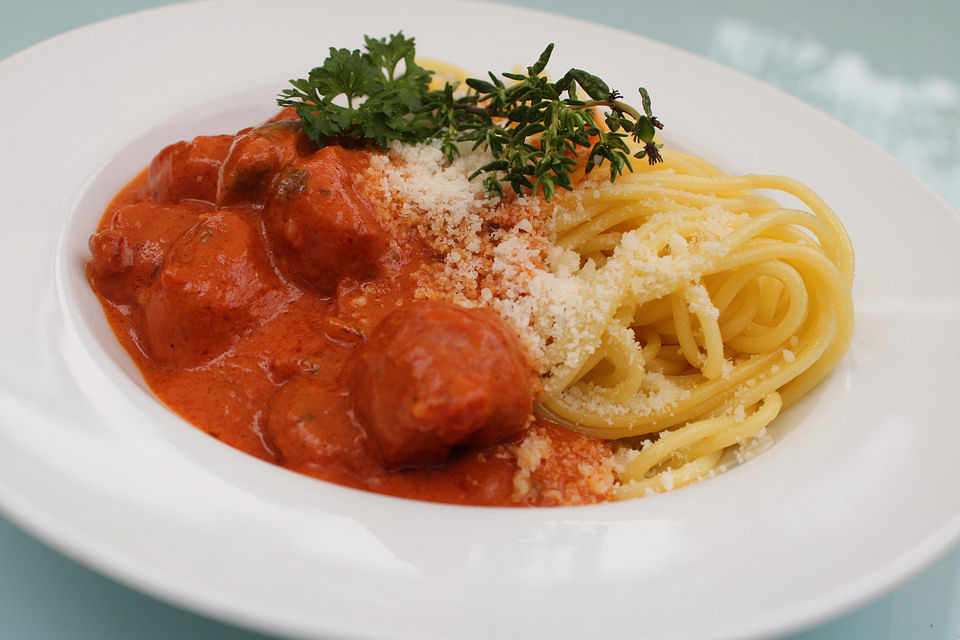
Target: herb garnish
(386, 102)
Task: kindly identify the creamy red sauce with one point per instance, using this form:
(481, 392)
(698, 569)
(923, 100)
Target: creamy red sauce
(211, 280)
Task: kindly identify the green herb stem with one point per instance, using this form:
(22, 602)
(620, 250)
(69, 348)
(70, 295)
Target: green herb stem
(383, 106)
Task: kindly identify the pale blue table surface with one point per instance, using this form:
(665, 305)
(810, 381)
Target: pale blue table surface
(890, 70)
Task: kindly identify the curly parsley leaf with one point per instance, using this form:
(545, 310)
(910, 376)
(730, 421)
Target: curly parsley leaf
(364, 95)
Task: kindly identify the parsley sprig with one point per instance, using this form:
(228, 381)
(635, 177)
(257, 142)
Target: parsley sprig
(534, 128)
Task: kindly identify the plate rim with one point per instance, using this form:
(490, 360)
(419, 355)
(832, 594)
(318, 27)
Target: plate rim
(44, 526)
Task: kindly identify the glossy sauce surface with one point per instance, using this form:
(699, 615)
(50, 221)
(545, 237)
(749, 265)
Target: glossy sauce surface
(245, 318)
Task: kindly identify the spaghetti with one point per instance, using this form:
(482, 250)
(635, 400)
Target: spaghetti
(691, 308)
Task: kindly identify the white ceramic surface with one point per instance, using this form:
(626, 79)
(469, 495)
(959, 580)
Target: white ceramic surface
(861, 488)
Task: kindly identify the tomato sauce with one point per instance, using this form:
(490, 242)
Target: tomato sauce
(245, 317)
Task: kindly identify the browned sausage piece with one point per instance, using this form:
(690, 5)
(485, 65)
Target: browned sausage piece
(257, 157)
(307, 424)
(434, 375)
(127, 254)
(188, 171)
(216, 282)
(320, 225)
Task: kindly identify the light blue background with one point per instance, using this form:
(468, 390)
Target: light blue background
(890, 70)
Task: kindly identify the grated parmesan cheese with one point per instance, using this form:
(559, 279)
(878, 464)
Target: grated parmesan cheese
(492, 249)
(499, 253)
(698, 301)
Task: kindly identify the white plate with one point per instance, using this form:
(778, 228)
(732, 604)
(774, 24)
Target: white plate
(860, 490)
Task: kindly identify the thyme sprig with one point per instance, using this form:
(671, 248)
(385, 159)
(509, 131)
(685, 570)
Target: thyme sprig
(534, 128)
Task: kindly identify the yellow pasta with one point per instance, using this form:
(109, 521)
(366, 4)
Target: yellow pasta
(711, 308)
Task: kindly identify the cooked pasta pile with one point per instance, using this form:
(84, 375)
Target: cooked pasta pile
(692, 308)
